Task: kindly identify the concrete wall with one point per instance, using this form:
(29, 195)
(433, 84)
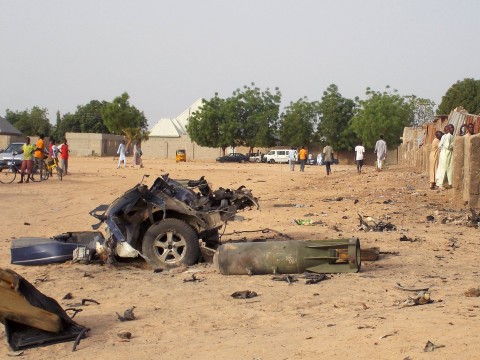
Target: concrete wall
(6, 140)
(466, 172)
(91, 144)
(165, 148)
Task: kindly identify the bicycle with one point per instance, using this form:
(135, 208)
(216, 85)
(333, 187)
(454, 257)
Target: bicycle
(53, 164)
(39, 172)
(8, 172)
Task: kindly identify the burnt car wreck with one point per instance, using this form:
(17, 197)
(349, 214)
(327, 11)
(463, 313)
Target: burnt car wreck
(172, 223)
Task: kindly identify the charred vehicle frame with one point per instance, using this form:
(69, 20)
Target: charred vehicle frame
(172, 223)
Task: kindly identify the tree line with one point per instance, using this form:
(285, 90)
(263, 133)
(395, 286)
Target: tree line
(251, 117)
(116, 117)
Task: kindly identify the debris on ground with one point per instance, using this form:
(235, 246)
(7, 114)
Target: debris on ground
(287, 278)
(244, 294)
(125, 335)
(422, 298)
(314, 278)
(30, 318)
(307, 222)
(452, 242)
(387, 335)
(128, 315)
(473, 219)
(338, 198)
(368, 223)
(430, 218)
(473, 292)
(406, 238)
(193, 279)
(56, 249)
(429, 346)
(304, 222)
(310, 278)
(401, 287)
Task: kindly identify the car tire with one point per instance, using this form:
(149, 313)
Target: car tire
(171, 243)
(242, 161)
(257, 160)
(272, 161)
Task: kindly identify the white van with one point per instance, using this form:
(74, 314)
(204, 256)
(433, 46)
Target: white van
(278, 156)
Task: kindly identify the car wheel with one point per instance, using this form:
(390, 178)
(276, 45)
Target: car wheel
(242, 161)
(272, 161)
(258, 160)
(171, 243)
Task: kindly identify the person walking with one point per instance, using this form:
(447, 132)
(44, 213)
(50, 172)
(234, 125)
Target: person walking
(359, 156)
(445, 169)
(433, 159)
(137, 155)
(27, 163)
(63, 149)
(122, 154)
(320, 159)
(381, 151)
(328, 158)
(302, 155)
(292, 157)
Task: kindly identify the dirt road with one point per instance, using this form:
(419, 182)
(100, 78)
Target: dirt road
(359, 316)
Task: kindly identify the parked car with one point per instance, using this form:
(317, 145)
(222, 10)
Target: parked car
(278, 156)
(233, 157)
(7, 154)
(334, 162)
(254, 157)
(312, 161)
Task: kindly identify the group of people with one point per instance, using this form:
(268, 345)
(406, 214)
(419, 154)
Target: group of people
(302, 157)
(441, 155)
(122, 154)
(36, 154)
(326, 157)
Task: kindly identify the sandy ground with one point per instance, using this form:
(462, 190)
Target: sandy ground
(349, 315)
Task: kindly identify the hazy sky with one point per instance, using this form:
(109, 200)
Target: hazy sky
(58, 54)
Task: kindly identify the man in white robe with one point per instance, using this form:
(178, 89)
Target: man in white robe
(445, 168)
(381, 151)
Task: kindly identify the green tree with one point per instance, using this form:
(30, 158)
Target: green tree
(253, 116)
(423, 110)
(298, 122)
(30, 122)
(58, 123)
(382, 113)
(86, 119)
(336, 113)
(122, 118)
(249, 117)
(207, 125)
(90, 117)
(465, 93)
